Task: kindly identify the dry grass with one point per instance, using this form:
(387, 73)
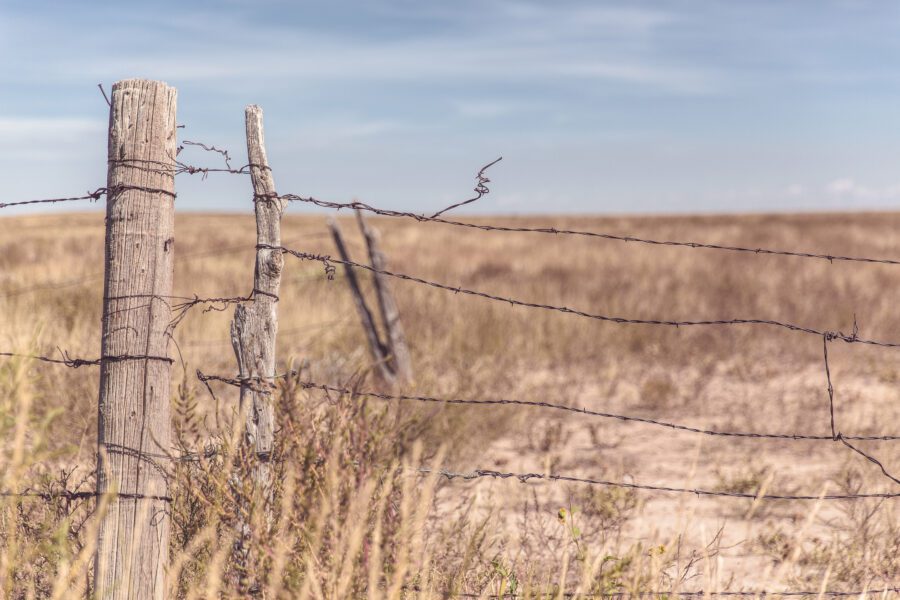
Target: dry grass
(348, 523)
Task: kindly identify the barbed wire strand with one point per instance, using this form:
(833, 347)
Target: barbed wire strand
(584, 411)
(327, 260)
(65, 359)
(356, 205)
(68, 495)
(76, 363)
(177, 167)
(698, 593)
(215, 251)
(527, 477)
(92, 196)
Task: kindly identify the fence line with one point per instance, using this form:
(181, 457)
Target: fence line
(356, 205)
(65, 360)
(587, 412)
(700, 593)
(68, 361)
(92, 196)
(329, 262)
(268, 382)
(526, 477)
(186, 303)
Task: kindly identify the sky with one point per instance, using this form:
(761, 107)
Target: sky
(596, 107)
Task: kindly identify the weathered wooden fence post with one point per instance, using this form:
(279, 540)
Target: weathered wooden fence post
(390, 314)
(134, 423)
(255, 324)
(380, 352)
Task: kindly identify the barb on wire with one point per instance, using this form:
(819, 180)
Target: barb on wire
(92, 196)
(64, 359)
(213, 304)
(582, 411)
(177, 167)
(208, 452)
(325, 259)
(69, 495)
(267, 383)
(75, 363)
(527, 477)
(182, 167)
(591, 234)
(225, 156)
(481, 189)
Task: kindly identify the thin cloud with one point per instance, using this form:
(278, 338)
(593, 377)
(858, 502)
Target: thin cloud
(45, 139)
(847, 188)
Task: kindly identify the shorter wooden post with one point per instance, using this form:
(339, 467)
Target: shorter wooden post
(253, 333)
(376, 347)
(390, 316)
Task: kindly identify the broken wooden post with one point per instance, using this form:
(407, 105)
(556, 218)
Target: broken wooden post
(390, 315)
(134, 423)
(255, 324)
(376, 347)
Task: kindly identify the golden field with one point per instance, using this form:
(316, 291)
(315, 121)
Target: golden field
(350, 523)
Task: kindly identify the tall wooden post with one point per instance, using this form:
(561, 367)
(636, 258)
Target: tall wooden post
(255, 324)
(134, 423)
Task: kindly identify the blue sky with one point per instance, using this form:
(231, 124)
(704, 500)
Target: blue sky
(596, 107)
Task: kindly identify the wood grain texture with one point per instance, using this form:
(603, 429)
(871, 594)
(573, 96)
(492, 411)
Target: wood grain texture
(399, 359)
(134, 421)
(255, 324)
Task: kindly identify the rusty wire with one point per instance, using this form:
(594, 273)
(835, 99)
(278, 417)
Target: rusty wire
(699, 593)
(574, 232)
(178, 167)
(70, 495)
(480, 189)
(75, 363)
(213, 305)
(586, 412)
(64, 359)
(92, 196)
(327, 260)
(268, 383)
(836, 435)
(527, 477)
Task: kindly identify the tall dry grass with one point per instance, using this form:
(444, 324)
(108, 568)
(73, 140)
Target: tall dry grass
(353, 518)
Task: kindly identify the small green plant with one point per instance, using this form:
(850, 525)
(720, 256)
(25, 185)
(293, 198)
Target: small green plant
(509, 582)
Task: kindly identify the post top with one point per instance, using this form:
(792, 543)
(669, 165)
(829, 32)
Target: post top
(137, 82)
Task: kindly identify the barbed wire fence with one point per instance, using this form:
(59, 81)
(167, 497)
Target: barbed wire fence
(182, 305)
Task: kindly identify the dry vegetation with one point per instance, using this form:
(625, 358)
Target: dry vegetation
(349, 522)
